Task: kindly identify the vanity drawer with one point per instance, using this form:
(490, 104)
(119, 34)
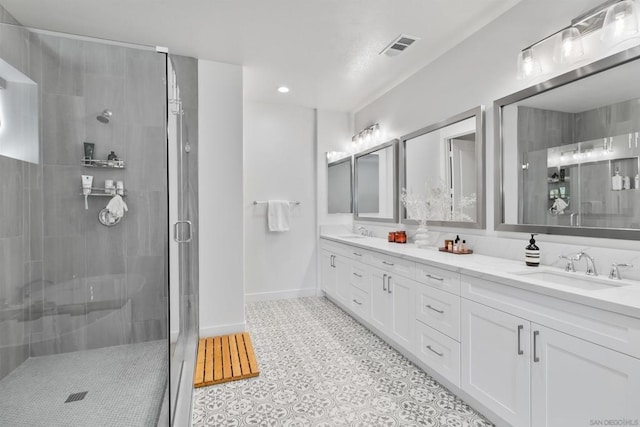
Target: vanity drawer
(391, 264)
(359, 277)
(440, 310)
(439, 352)
(438, 278)
(606, 328)
(347, 251)
(359, 302)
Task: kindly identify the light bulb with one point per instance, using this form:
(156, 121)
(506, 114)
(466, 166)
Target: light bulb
(528, 65)
(568, 46)
(376, 131)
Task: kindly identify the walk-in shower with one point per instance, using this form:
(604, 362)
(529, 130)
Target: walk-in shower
(84, 305)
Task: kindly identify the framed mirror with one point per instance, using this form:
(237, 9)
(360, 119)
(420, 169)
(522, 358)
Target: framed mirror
(568, 153)
(340, 186)
(376, 183)
(444, 165)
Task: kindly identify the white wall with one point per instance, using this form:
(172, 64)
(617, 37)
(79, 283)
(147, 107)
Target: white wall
(478, 71)
(279, 163)
(220, 178)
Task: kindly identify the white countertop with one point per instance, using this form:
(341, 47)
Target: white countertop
(622, 297)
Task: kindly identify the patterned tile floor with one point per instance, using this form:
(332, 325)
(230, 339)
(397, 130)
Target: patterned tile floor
(320, 367)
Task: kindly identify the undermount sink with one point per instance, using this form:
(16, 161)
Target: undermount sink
(574, 280)
(351, 236)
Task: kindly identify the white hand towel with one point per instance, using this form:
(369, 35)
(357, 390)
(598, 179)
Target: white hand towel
(279, 215)
(117, 207)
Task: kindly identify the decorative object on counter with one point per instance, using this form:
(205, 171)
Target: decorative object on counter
(401, 237)
(436, 203)
(532, 253)
(457, 246)
(468, 252)
(89, 150)
(448, 245)
(392, 236)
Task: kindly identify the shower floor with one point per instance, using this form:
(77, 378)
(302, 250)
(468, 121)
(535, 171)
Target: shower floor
(125, 386)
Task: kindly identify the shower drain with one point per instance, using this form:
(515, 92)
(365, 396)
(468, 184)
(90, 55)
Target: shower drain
(76, 396)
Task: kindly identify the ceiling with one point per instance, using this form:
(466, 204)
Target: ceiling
(326, 51)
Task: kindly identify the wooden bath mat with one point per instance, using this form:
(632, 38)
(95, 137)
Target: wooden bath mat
(225, 358)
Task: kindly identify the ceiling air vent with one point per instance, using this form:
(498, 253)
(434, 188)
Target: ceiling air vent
(398, 45)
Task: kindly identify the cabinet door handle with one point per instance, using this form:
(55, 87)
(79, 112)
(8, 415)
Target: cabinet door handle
(384, 282)
(356, 301)
(520, 328)
(389, 284)
(435, 309)
(388, 263)
(535, 346)
(333, 261)
(434, 277)
(357, 254)
(439, 354)
(357, 275)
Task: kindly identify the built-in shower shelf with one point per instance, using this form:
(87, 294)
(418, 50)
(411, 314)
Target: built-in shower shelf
(101, 192)
(107, 164)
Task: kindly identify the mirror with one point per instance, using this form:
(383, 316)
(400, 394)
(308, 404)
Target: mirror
(376, 183)
(443, 164)
(340, 188)
(569, 151)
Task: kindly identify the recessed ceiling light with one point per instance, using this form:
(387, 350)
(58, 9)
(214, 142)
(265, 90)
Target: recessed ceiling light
(283, 89)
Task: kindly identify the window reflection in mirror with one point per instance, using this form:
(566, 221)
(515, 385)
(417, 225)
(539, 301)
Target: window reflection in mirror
(19, 135)
(339, 189)
(376, 183)
(570, 155)
(444, 163)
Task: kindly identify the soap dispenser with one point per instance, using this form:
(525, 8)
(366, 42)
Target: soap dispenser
(532, 253)
(616, 181)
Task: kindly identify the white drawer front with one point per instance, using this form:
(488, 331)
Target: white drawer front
(391, 264)
(359, 277)
(348, 251)
(438, 278)
(612, 330)
(359, 302)
(440, 310)
(439, 352)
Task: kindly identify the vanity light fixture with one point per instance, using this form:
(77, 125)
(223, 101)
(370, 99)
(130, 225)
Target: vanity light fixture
(368, 135)
(617, 21)
(283, 89)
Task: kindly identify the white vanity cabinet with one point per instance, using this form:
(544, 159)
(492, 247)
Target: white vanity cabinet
(335, 270)
(533, 375)
(496, 361)
(578, 383)
(392, 299)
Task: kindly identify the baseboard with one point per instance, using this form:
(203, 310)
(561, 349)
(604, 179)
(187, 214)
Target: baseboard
(214, 331)
(268, 296)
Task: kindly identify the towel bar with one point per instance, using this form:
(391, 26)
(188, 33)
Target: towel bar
(264, 202)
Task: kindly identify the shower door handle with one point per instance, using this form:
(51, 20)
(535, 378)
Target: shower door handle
(175, 231)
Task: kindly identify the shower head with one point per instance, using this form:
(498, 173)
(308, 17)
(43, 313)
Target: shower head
(104, 116)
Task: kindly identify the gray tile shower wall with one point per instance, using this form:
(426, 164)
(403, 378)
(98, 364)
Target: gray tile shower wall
(20, 219)
(80, 80)
(67, 282)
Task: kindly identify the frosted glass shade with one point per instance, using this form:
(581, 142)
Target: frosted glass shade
(620, 23)
(528, 65)
(568, 46)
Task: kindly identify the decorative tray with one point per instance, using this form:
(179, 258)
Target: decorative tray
(469, 251)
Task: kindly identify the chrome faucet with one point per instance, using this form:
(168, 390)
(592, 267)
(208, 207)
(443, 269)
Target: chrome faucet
(614, 273)
(591, 265)
(364, 232)
(570, 266)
